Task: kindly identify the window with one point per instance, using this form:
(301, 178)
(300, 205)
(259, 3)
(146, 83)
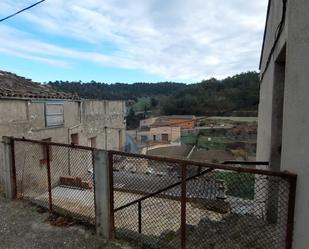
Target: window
(54, 114)
(144, 139)
(74, 139)
(92, 142)
(154, 138)
(44, 151)
(165, 137)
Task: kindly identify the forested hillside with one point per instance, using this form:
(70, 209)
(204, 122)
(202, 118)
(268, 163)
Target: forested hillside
(209, 97)
(215, 97)
(117, 91)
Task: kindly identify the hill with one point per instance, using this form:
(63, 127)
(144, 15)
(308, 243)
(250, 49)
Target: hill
(239, 93)
(116, 91)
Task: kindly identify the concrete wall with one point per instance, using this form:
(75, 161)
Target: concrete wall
(104, 120)
(295, 156)
(295, 137)
(147, 122)
(267, 84)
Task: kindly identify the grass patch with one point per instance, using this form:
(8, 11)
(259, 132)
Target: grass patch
(236, 119)
(216, 143)
(189, 140)
(139, 106)
(213, 132)
(238, 184)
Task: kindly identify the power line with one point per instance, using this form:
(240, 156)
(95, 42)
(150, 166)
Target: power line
(29, 7)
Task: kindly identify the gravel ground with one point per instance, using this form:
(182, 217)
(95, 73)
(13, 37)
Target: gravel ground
(23, 227)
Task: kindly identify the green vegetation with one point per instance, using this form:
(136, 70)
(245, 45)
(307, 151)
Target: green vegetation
(235, 119)
(117, 91)
(217, 132)
(209, 97)
(215, 97)
(142, 105)
(238, 184)
(216, 143)
(211, 139)
(189, 139)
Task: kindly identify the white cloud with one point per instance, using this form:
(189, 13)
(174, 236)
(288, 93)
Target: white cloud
(176, 39)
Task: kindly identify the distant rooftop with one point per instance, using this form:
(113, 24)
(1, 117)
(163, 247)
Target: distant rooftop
(14, 86)
(178, 117)
(172, 120)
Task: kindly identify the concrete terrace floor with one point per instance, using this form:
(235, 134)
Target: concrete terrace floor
(23, 227)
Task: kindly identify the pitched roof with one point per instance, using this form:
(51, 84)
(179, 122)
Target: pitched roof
(14, 86)
(179, 117)
(171, 120)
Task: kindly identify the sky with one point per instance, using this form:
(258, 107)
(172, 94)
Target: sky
(131, 41)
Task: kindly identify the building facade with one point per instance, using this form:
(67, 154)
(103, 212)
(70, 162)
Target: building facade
(283, 137)
(159, 135)
(36, 112)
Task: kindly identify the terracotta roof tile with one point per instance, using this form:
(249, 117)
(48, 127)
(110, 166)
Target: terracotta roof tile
(14, 86)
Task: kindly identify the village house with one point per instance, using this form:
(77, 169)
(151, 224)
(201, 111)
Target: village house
(163, 134)
(283, 123)
(164, 129)
(36, 111)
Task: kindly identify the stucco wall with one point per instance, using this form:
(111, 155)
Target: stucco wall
(295, 139)
(104, 120)
(174, 133)
(267, 83)
(295, 156)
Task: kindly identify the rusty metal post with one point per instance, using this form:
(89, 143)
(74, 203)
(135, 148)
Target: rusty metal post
(183, 238)
(291, 210)
(111, 186)
(93, 183)
(14, 182)
(47, 146)
(140, 217)
(9, 169)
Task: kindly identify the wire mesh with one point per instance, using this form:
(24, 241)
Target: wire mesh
(162, 203)
(135, 178)
(31, 172)
(244, 211)
(72, 182)
(224, 209)
(56, 176)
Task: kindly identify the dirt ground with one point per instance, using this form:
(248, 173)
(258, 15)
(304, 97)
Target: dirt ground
(158, 215)
(23, 227)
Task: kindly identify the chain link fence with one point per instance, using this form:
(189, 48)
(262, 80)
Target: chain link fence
(167, 203)
(162, 202)
(56, 176)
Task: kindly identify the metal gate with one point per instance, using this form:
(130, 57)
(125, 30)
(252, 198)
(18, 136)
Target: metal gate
(55, 176)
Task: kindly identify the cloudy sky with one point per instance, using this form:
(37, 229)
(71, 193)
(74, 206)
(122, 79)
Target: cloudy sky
(130, 41)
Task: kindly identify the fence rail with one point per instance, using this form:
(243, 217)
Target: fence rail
(170, 203)
(161, 202)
